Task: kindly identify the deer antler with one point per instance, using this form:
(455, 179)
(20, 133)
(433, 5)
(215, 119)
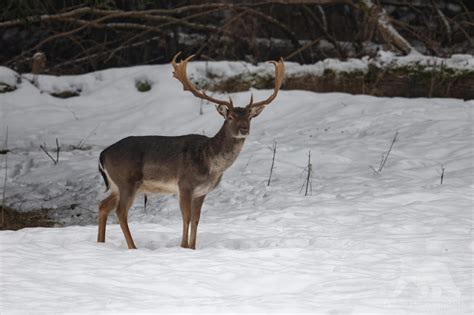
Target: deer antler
(180, 74)
(279, 75)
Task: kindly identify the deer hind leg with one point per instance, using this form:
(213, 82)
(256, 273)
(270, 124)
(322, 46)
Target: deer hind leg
(185, 200)
(195, 215)
(125, 202)
(106, 205)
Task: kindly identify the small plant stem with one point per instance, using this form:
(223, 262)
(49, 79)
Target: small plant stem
(145, 201)
(5, 179)
(308, 177)
(385, 156)
(273, 162)
(58, 148)
(83, 140)
(442, 174)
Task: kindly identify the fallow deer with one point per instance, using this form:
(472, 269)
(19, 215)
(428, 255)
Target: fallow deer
(190, 166)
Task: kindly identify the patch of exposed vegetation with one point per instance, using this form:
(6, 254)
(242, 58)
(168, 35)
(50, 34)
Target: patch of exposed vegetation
(15, 220)
(5, 88)
(81, 147)
(67, 93)
(143, 85)
(237, 83)
(392, 80)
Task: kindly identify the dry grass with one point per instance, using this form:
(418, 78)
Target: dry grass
(15, 220)
(397, 82)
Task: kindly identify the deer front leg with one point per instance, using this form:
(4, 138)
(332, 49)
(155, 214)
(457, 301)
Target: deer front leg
(185, 199)
(195, 215)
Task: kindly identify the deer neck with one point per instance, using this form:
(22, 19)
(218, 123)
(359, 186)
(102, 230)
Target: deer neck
(223, 149)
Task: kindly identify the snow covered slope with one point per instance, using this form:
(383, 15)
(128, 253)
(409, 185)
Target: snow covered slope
(398, 242)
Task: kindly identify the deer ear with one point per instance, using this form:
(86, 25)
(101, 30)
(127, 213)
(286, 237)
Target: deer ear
(255, 111)
(223, 110)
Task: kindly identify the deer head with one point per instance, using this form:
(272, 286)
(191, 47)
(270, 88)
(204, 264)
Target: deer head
(237, 119)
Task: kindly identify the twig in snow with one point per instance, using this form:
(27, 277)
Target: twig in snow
(58, 148)
(308, 185)
(385, 156)
(72, 112)
(145, 201)
(47, 153)
(273, 162)
(83, 140)
(381, 162)
(376, 172)
(5, 180)
(442, 174)
(388, 153)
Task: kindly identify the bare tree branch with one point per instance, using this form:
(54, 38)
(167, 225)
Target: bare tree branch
(388, 32)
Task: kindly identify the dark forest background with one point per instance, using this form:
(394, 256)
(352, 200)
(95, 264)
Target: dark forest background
(83, 36)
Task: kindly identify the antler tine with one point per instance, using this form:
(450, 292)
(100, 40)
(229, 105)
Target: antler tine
(179, 72)
(251, 100)
(279, 76)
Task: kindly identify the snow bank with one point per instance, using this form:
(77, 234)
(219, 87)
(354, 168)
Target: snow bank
(209, 71)
(8, 79)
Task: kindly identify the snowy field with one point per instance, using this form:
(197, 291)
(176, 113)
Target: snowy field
(394, 243)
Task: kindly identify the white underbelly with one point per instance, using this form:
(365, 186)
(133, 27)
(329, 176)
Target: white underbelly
(153, 186)
(205, 188)
(202, 190)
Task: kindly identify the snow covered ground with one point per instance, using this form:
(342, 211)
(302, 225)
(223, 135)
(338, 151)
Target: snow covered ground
(360, 243)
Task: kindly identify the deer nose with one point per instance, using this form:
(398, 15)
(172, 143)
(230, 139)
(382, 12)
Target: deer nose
(244, 130)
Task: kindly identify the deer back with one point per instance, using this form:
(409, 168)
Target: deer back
(144, 159)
